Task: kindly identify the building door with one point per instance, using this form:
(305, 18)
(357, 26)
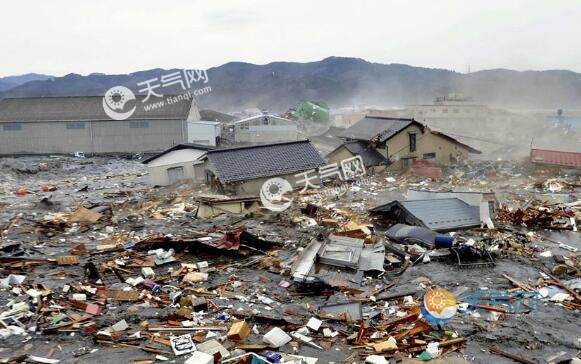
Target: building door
(199, 172)
(175, 174)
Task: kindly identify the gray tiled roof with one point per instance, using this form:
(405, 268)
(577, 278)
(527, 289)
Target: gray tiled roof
(370, 156)
(245, 163)
(438, 215)
(79, 108)
(371, 127)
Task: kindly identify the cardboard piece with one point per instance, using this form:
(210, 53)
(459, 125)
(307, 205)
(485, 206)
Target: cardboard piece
(239, 331)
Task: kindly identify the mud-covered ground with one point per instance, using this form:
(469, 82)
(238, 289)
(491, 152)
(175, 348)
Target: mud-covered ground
(139, 211)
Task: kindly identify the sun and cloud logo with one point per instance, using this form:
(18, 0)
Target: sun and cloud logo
(115, 102)
(272, 194)
(438, 306)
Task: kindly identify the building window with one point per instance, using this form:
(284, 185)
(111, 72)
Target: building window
(139, 124)
(445, 111)
(407, 162)
(412, 142)
(76, 125)
(12, 126)
(429, 156)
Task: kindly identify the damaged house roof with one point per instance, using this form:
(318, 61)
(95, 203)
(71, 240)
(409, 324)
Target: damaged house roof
(381, 129)
(456, 141)
(267, 160)
(370, 156)
(555, 157)
(438, 215)
(178, 147)
(371, 127)
(82, 108)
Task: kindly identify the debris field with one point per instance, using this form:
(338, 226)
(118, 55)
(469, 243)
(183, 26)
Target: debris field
(97, 266)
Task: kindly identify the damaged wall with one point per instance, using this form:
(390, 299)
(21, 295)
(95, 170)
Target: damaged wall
(398, 148)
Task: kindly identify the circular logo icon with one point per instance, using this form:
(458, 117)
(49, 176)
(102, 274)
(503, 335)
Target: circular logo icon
(438, 306)
(116, 98)
(272, 194)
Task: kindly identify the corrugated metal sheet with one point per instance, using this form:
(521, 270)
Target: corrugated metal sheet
(554, 157)
(83, 108)
(438, 215)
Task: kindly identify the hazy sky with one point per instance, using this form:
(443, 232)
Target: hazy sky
(83, 36)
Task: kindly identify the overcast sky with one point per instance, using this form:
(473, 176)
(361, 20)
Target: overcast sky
(81, 36)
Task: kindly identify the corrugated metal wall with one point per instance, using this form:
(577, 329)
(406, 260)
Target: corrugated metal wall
(96, 137)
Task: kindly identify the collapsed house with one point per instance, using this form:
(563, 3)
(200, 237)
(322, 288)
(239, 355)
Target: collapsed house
(372, 159)
(338, 260)
(400, 142)
(177, 163)
(210, 206)
(485, 201)
(444, 214)
(243, 170)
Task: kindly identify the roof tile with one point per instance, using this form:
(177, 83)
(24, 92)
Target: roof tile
(258, 161)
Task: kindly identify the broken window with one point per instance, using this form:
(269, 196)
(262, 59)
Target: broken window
(412, 142)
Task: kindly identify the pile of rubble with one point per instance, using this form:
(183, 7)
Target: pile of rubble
(113, 270)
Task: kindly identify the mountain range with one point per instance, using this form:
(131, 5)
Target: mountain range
(339, 81)
(6, 83)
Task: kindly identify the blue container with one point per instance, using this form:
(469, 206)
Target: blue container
(444, 241)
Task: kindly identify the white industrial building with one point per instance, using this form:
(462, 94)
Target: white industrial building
(205, 132)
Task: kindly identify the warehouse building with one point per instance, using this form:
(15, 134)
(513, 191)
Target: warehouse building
(43, 125)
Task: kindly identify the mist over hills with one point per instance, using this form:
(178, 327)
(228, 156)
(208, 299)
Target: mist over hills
(339, 81)
(9, 82)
